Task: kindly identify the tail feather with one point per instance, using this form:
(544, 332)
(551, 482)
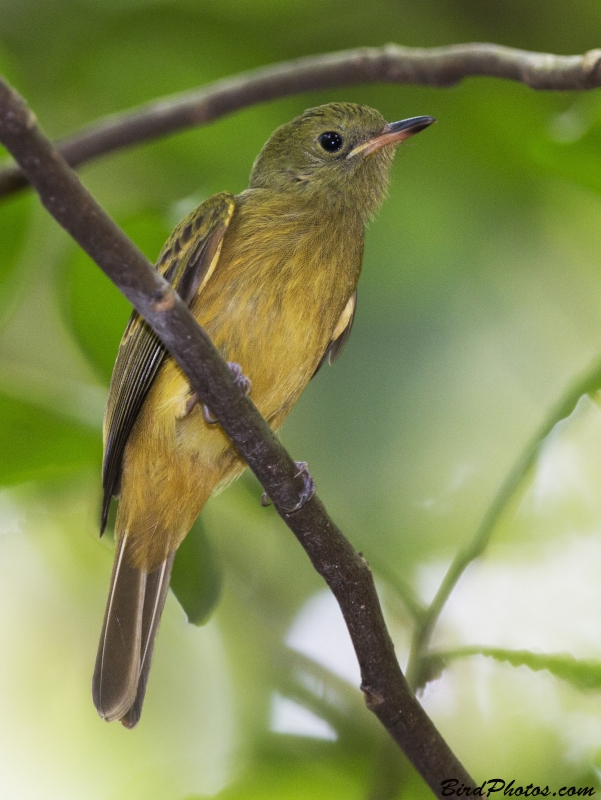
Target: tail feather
(157, 587)
(131, 621)
(118, 660)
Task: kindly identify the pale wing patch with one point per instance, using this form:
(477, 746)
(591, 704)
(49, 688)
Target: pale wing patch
(345, 317)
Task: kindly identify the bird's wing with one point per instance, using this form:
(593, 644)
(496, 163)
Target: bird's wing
(187, 260)
(341, 333)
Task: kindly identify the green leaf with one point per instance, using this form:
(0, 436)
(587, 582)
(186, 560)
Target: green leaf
(197, 577)
(36, 444)
(583, 675)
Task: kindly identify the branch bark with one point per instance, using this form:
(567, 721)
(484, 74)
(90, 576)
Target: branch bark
(436, 66)
(386, 691)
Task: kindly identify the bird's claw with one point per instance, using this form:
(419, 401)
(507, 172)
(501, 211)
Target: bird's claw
(308, 489)
(240, 379)
(209, 418)
(305, 495)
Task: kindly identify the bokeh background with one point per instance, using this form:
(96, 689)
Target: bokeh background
(479, 305)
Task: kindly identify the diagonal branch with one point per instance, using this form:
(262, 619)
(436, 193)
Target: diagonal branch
(436, 66)
(386, 691)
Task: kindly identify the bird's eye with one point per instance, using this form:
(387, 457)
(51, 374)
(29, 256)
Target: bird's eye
(331, 141)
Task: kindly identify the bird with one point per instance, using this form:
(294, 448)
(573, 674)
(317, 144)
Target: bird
(271, 275)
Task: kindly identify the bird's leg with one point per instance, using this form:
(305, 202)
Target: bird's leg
(306, 494)
(191, 402)
(241, 381)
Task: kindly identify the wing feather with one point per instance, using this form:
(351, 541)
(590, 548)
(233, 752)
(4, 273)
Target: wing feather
(187, 261)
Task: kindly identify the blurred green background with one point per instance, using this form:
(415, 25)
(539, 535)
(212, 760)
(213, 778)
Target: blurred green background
(479, 304)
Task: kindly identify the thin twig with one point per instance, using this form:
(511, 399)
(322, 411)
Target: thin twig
(436, 66)
(417, 670)
(386, 691)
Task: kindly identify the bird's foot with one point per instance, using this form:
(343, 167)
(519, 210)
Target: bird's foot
(191, 404)
(308, 489)
(306, 494)
(241, 381)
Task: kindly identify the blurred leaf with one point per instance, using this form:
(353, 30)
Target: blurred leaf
(97, 312)
(583, 675)
(36, 444)
(95, 308)
(197, 577)
(14, 215)
(577, 161)
(277, 782)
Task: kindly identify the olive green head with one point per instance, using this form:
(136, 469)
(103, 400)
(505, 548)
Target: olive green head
(337, 155)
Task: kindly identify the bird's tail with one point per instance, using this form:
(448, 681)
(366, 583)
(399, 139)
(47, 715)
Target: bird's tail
(131, 621)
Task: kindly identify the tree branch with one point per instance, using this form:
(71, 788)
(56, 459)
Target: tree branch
(386, 691)
(436, 66)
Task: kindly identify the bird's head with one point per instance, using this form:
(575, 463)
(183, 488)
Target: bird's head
(337, 154)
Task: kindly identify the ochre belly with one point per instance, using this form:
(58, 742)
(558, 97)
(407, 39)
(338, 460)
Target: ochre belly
(273, 319)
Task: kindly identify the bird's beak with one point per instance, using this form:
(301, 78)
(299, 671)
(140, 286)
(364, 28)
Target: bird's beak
(393, 133)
